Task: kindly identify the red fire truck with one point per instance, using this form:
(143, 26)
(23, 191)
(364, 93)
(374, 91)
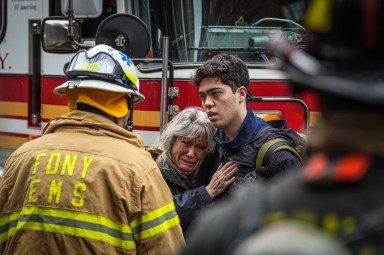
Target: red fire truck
(173, 38)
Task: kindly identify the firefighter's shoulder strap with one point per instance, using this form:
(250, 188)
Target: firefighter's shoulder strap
(273, 146)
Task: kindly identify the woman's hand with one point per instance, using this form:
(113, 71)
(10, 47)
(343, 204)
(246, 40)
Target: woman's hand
(222, 178)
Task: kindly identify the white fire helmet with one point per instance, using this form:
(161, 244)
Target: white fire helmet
(104, 68)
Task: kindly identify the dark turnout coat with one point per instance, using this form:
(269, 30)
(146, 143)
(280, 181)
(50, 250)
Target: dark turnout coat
(338, 194)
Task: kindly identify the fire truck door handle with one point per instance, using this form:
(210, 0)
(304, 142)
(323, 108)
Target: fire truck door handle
(36, 75)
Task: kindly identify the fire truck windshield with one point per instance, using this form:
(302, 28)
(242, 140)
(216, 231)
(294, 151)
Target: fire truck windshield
(199, 29)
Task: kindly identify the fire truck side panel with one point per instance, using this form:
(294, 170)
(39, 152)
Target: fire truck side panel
(15, 72)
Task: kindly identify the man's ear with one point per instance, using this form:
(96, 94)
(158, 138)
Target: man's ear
(242, 93)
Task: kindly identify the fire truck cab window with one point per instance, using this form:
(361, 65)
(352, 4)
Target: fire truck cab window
(199, 29)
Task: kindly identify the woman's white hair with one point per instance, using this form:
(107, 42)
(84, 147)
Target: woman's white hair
(190, 123)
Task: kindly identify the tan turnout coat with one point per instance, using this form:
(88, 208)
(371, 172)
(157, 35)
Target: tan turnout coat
(86, 186)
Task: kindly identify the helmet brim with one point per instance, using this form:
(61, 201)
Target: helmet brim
(359, 80)
(97, 84)
(365, 85)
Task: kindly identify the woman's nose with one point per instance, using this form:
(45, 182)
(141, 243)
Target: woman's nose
(191, 152)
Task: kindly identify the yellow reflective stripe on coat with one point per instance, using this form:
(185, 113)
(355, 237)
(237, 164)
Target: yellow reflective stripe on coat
(155, 222)
(70, 223)
(8, 225)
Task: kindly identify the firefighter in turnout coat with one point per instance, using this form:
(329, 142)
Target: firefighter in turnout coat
(87, 185)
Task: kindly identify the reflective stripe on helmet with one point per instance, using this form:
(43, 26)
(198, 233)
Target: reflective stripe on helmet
(319, 16)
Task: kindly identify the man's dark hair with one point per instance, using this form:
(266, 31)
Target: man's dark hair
(230, 69)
